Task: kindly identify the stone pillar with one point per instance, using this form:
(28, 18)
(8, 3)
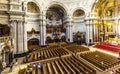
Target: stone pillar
(41, 37)
(87, 31)
(12, 31)
(15, 36)
(69, 32)
(116, 14)
(40, 28)
(20, 37)
(119, 28)
(25, 36)
(91, 32)
(43, 32)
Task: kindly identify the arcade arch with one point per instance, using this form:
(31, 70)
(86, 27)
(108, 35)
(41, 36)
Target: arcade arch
(79, 26)
(55, 25)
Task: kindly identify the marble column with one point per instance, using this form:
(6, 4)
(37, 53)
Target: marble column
(11, 31)
(19, 35)
(15, 36)
(116, 12)
(43, 29)
(69, 32)
(25, 36)
(44, 34)
(87, 32)
(41, 37)
(119, 29)
(91, 31)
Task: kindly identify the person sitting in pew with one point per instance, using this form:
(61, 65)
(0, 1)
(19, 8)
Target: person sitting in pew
(40, 66)
(97, 56)
(28, 71)
(102, 62)
(39, 56)
(35, 68)
(112, 72)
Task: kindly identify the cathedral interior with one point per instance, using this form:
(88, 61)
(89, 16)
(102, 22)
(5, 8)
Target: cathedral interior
(59, 36)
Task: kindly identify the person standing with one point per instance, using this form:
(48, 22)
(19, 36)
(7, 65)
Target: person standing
(0, 70)
(4, 64)
(16, 61)
(1, 67)
(11, 66)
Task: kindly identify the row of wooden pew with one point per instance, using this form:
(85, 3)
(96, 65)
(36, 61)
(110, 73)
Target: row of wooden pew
(67, 65)
(63, 44)
(46, 53)
(76, 48)
(101, 60)
(117, 71)
(33, 47)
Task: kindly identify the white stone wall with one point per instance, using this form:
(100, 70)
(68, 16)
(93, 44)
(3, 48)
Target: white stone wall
(79, 27)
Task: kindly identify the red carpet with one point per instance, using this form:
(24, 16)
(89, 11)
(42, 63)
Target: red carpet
(108, 47)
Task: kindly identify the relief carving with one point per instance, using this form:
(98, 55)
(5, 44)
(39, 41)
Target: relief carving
(3, 7)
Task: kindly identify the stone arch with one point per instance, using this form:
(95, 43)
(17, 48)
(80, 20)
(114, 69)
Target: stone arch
(79, 8)
(33, 38)
(78, 13)
(49, 39)
(55, 14)
(33, 41)
(63, 38)
(62, 6)
(6, 54)
(6, 48)
(33, 1)
(78, 16)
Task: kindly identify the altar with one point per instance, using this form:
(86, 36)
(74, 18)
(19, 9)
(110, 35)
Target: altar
(111, 45)
(113, 41)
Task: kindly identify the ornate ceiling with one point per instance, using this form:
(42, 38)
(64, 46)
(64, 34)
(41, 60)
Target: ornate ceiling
(69, 5)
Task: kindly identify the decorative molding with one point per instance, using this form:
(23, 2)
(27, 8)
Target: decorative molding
(4, 7)
(16, 12)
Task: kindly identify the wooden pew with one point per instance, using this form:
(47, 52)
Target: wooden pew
(45, 69)
(60, 68)
(73, 71)
(65, 68)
